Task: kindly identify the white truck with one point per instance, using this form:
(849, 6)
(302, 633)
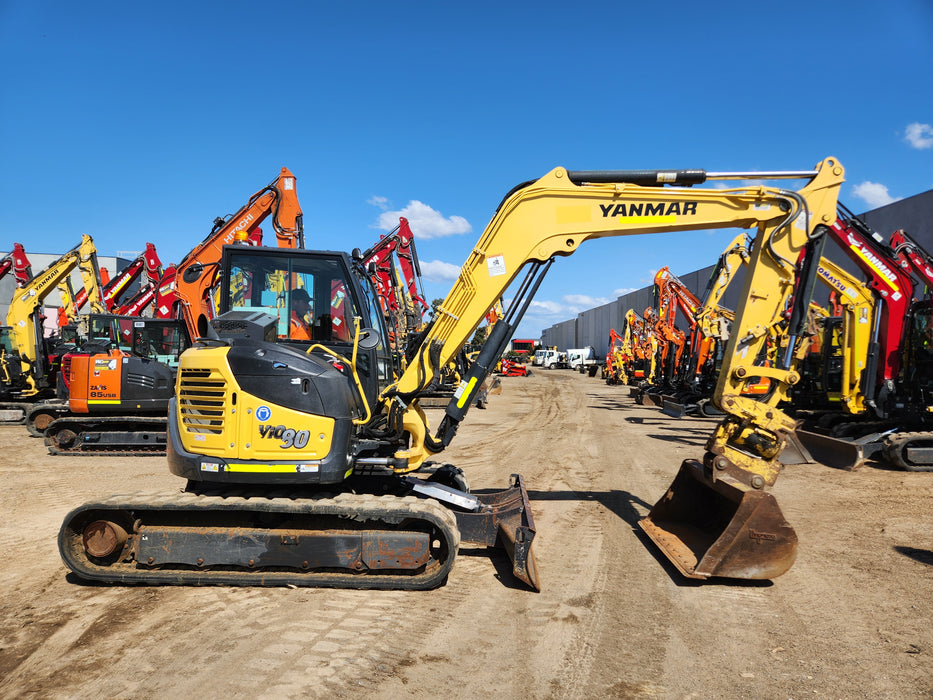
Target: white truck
(551, 359)
(583, 360)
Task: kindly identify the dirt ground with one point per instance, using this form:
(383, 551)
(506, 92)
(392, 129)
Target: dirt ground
(851, 619)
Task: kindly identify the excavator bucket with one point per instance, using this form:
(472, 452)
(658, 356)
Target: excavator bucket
(652, 398)
(504, 521)
(720, 528)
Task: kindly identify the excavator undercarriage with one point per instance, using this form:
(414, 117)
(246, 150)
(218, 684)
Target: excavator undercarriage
(254, 536)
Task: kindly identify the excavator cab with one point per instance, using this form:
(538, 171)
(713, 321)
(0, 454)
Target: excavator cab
(918, 362)
(317, 298)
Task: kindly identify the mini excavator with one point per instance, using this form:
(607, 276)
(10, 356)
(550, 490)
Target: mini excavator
(310, 463)
(29, 363)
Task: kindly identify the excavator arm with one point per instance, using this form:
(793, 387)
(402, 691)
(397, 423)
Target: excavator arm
(551, 217)
(197, 273)
(19, 263)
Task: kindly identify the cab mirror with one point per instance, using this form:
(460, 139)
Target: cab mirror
(369, 339)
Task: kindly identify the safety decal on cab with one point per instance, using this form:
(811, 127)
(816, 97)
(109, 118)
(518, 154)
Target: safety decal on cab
(263, 413)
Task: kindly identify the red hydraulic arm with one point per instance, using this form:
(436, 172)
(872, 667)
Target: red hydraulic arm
(887, 277)
(19, 263)
(401, 242)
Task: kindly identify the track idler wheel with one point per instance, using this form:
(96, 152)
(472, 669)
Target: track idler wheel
(103, 538)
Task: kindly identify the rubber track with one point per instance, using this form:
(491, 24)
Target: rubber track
(99, 424)
(357, 507)
(15, 406)
(895, 450)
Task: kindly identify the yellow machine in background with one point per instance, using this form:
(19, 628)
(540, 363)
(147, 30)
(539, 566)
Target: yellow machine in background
(26, 371)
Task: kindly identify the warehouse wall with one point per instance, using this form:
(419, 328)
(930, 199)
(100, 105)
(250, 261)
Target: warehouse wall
(591, 327)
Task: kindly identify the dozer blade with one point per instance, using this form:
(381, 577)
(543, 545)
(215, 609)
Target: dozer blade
(720, 528)
(671, 408)
(837, 453)
(504, 521)
(795, 452)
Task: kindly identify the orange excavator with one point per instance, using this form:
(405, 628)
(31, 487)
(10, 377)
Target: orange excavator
(670, 294)
(118, 393)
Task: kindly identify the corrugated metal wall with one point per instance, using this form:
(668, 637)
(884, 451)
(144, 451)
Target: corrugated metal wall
(914, 215)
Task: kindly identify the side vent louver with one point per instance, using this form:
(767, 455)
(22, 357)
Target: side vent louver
(201, 397)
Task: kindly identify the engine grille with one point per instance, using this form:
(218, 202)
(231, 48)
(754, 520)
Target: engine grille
(141, 380)
(201, 398)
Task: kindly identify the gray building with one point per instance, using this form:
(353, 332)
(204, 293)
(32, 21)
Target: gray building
(591, 327)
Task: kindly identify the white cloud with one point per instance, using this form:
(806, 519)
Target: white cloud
(584, 301)
(919, 136)
(546, 308)
(425, 221)
(874, 194)
(625, 290)
(439, 271)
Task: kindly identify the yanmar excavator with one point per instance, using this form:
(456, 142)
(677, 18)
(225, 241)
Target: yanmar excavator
(28, 363)
(309, 464)
(118, 395)
(882, 398)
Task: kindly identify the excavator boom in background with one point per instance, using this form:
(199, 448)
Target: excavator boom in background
(29, 369)
(264, 416)
(118, 393)
(18, 263)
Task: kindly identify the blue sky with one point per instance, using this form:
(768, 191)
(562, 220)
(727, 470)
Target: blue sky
(138, 122)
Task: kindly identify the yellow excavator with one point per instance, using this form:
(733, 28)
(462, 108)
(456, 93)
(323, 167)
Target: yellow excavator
(311, 464)
(27, 372)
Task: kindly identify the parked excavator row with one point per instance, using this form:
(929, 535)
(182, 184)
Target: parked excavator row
(118, 388)
(875, 381)
(28, 361)
(634, 361)
(866, 373)
(311, 463)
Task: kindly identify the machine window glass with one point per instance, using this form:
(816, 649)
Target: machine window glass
(377, 322)
(309, 296)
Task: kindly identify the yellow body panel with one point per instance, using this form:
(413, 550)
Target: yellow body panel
(219, 419)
